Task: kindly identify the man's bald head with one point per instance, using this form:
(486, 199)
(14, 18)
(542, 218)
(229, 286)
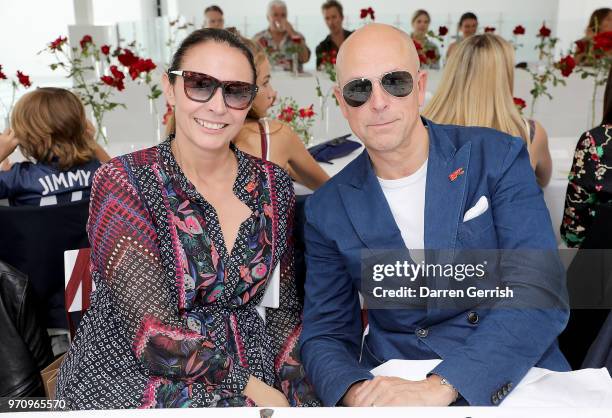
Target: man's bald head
(376, 42)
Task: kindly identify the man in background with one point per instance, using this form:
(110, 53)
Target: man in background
(334, 17)
(280, 40)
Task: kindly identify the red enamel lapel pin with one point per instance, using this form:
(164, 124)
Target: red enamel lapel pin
(458, 172)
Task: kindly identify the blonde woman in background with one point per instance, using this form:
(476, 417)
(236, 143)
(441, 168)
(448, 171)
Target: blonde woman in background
(476, 90)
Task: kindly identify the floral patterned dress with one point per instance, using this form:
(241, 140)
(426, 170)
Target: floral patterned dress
(173, 321)
(590, 184)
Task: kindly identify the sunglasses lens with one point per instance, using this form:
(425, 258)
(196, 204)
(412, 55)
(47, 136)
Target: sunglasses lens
(397, 83)
(357, 92)
(199, 87)
(238, 95)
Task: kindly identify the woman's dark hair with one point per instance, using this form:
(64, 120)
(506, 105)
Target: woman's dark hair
(209, 35)
(596, 18)
(607, 110)
(419, 13)
(466, 16)
(213, 8)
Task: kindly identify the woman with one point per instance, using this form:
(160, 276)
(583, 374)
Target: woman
(185, 237)
(590, 180)
(273, 140)
(600, 22)
(430, 53)
(269, 139)
(468, 25)
(476, 90)
(61, 145)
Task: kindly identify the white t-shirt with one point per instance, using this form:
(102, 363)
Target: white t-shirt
(406, 198)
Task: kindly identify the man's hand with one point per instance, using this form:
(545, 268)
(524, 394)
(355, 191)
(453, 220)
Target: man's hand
(394, 391)
(264, 395)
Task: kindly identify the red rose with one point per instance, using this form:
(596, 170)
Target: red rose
(442, 30)
(333, 60)
(371, 12)
(2, 75)
(23, 79)
(302, 113)
(544, 31)
(417, 45)
(363, 13)
(519, 30)
(57, 44)
(309, 112)
(263, 42)
(117, 74)
(119, 85)
(86, 41)
(422, 59)
(431, 54)
(333, 53)
(105, 49)
(520, 103)
(140, 66)
(580, 47)
(108, 80)
(296, 39)
(489, 29)
(566, 65)
(603, 41)
(128, 58)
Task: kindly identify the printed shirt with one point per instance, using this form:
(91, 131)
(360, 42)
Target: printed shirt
(174, 321)
(279, 55)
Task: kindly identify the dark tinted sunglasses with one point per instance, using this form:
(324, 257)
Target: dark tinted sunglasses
(397, 83)
(201, 88)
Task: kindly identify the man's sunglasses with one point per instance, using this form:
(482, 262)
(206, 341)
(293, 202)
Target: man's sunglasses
(202, 87)
(397, 83)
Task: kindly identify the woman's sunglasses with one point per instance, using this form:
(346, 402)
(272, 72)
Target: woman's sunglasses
(397, 83)
(202, 87)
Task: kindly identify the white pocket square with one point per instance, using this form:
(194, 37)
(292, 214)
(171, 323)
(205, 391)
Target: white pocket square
(478, 209)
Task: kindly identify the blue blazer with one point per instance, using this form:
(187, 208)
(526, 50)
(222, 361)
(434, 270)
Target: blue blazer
(485, 352)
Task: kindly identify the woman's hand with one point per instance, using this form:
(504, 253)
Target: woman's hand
(264, 395)
(8, 143)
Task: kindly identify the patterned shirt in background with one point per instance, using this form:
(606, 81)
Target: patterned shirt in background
(36, 184)
(589, 185)
(280, 55)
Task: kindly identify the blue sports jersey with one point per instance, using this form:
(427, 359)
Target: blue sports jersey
(34, 184)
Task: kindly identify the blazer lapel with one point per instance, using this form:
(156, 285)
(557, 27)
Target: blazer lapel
(444, 192)
(368, 210)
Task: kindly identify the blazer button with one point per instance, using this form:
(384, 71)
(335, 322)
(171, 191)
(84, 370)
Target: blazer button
(494, 399)
(473, 317)
(422, 332)
(505, 390)
(500, 395)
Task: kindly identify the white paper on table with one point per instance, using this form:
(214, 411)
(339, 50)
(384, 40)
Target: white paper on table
(271, 297)
(539, 388)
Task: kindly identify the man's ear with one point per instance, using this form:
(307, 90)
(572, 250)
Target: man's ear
(422, 86)
(168, 89)
(341, 102)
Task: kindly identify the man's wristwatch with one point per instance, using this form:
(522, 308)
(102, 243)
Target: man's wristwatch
(445, 382)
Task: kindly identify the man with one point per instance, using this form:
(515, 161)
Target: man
(334, 16)
(280, 40)
(413, 187)
(213, 17)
